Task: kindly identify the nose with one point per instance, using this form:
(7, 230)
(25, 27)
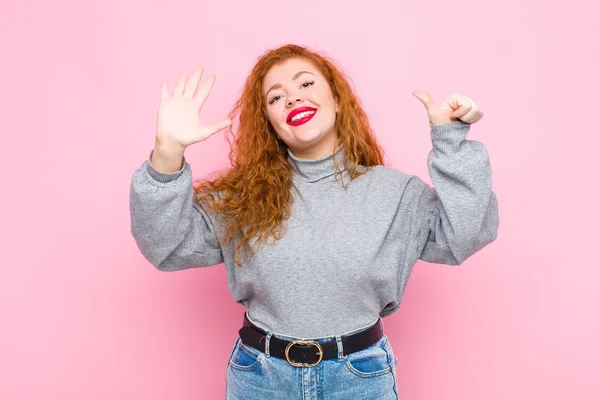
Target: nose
(290, 102)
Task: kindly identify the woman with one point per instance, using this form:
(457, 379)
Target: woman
(318, 238)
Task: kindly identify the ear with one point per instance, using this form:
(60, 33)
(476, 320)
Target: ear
(337, 105)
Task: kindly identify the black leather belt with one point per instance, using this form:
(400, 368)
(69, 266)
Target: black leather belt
(308, 353)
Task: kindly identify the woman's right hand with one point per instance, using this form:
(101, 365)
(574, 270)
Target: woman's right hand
(178, 124)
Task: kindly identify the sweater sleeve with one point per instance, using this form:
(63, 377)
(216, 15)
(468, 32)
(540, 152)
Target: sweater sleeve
(459, 215)
(172, 231)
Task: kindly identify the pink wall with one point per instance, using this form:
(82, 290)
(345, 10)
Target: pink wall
(84, 316)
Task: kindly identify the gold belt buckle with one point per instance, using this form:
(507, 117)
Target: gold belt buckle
(303, 343)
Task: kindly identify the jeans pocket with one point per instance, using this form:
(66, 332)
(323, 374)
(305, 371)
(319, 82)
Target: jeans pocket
(245, 358)
(372, 361)
(390, 352)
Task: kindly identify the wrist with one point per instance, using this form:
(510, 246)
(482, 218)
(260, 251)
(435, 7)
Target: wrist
(168, 148)
(167, 158)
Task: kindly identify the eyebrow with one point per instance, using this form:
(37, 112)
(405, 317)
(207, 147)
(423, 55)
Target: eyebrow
(296, 75)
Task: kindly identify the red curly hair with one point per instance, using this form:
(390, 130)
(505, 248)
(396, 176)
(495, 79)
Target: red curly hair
(254, 194)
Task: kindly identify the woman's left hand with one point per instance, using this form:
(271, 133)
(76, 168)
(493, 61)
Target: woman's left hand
(456, 107)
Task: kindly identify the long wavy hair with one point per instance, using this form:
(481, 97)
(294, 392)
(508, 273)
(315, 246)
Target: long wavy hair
(253, 196)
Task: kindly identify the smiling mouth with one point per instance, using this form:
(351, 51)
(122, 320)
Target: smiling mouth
(301, 117)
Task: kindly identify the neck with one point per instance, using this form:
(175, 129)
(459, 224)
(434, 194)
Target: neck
(316, 151)
(316, 169)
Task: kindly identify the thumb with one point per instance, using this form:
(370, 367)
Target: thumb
(220, 125)
(424, 98)
(209, 130)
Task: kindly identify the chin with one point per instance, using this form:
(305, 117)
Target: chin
(308, 140)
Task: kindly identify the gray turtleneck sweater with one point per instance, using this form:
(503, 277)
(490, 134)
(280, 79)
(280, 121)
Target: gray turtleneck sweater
(346, 254)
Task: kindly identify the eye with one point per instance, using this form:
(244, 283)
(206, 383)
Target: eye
(274, 99)
(305, 84)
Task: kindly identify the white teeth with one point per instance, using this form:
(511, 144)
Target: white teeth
(301, 115)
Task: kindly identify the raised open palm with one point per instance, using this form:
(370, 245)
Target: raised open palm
(179, 115)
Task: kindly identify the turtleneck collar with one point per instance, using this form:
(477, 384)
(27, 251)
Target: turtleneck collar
(317, 169)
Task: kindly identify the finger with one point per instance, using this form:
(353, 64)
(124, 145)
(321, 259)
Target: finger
(181, 84)
(424, 98)
(478, 114)
(472, 116)
(460, 100)
(461, 105)
(204, 89)
(192, 84)
(460, 113)
(219, 125)
(164, 89)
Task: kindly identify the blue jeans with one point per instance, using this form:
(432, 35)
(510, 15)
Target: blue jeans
(368, 374)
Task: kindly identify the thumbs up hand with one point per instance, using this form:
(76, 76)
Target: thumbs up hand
(456, 107)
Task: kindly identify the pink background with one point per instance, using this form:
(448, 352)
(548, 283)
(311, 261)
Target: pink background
(85, 316)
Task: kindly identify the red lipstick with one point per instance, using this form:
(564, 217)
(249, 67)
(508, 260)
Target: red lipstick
(302, 120)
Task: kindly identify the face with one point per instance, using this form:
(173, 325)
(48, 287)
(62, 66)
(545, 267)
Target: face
(301, 108)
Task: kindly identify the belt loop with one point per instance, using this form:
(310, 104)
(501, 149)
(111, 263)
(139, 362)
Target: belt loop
(268, 344)
(341, 356)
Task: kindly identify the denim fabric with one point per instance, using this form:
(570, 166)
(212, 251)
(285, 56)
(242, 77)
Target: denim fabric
(363, 375)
